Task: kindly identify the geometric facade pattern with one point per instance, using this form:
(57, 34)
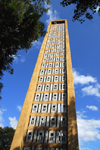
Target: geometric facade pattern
(50, 122)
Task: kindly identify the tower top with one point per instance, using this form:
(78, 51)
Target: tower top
(58, 21)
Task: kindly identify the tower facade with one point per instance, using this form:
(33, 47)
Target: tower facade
(48, 117)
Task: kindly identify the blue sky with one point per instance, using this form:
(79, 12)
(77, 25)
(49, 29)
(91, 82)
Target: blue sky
(85, 53)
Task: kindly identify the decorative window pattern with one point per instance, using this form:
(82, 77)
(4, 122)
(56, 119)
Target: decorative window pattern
(40, 135)
(50, 99)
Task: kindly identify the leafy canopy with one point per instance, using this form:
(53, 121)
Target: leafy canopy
(20, 25)
(84, 8)
(6, 136)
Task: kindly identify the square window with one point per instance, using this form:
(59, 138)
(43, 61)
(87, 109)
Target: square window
(48, 79)
(56, 64)
(56, 71)
(55, 78)
(37, 97)
(43, 66)
(54, 108)
(46, 97)
(49, 71)
(55, 87)
(47, 87)
(42, 72)
(39, 87)
(40, 79)
(44, 108)
(49, 65)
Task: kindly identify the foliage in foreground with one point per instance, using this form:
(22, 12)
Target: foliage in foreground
(84, 8)
(6, 136)
(20, 25)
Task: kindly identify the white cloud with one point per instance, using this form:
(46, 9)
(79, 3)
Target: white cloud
(4, 109)
(18, 58)
(14, 56)
(22, 59)
(94, 108)
(97, 9)
(81, 114)
(53, 15)
(36, 44)
(13, 122)
(19, 108)
(1, 117)
(88, 129)
(90, 90)
(81, 79)
(85, 148)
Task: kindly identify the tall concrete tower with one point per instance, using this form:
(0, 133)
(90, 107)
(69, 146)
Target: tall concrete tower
(48, 117)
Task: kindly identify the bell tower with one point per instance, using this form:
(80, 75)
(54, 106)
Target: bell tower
(48, 117)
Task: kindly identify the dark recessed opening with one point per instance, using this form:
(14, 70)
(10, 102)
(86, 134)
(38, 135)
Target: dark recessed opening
(58, 22)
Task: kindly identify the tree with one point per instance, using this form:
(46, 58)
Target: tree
(84, 8)
(6, 136)
(20, 25)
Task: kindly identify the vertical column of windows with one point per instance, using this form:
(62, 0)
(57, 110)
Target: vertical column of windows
(49, 105)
